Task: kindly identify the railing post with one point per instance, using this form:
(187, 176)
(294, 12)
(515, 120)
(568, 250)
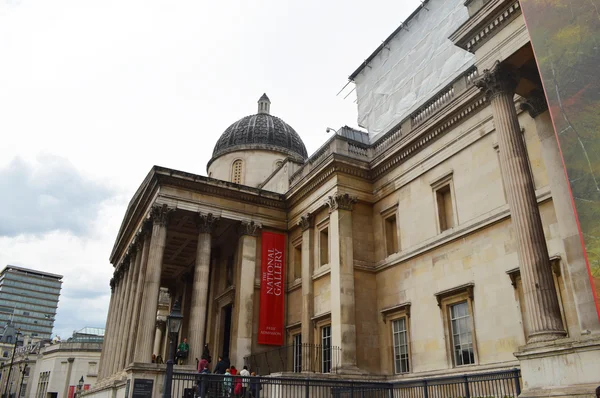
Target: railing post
(467, 392)
(517, 381)
(202, 386)
(352, 389)
(425, 389)
(307, 389)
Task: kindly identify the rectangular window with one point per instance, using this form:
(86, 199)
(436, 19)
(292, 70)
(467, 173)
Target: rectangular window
(326, 349)
(298, 262)
(444, 207)
(324, 246)
(462, 334)
(298, 353)
(400, 339)
(391, 235)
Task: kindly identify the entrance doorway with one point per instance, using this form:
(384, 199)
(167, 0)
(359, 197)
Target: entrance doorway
(226, 314)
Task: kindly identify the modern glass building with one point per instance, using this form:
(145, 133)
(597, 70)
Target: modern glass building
(29, 298)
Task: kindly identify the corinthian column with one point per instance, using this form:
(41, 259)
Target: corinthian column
(307, 225)
(116, 363)
(565, 214)
(145, 336)
(541, 301)
(206, 224)
(247, 246)
(343, 323)
(104, 353)
(144, 236)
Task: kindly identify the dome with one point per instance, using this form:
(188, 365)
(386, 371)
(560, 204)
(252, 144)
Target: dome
(261, 131)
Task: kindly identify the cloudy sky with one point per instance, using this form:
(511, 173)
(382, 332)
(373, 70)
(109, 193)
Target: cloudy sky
(95, 92)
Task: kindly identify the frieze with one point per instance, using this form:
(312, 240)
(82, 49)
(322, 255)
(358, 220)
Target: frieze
(339, 201)
(206, 223)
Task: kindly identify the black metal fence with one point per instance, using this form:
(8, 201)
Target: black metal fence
(295, 358)
(503, 384)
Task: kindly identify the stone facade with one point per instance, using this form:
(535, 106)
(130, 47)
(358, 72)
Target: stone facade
(443, 246)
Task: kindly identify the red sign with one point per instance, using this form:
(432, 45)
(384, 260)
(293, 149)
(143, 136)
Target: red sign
(71, 391)
(272, 289)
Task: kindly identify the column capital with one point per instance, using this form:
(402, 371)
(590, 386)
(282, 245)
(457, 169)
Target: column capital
(341, 201)
(535, 103)
(500, 79)
(206, 223)
(160, 214)
(160, 323)
(307, 221)
(138, 243)
(112, 284)
(249, 228)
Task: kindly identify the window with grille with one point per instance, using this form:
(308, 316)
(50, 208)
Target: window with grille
(462, 334)
(298, 353)
(236, 171)
(400, 339)
(326, 349)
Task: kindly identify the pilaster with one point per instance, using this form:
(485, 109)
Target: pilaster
(247, 253)
(541, 300)
(343, 318)
(307, 225)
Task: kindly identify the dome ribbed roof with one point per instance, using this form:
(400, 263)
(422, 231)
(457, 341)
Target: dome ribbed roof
(261, 131)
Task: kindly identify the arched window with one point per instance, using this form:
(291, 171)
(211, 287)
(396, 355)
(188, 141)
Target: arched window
(236, 171)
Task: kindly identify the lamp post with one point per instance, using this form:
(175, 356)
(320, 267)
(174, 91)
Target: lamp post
(23, 370)
(80, 386)
(174, 320)
(12, 360)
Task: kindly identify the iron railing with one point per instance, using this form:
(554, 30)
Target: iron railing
(503, 384)
(295, 358)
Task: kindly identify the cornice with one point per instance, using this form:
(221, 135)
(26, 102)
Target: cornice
(484, 25)
(426, 136)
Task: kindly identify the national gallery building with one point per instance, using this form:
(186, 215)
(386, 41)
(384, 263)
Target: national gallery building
(439, 240)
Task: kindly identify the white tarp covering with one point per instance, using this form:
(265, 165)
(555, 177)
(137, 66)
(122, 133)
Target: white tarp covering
(413, 66)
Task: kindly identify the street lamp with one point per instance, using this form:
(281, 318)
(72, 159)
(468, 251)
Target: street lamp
(80, 386)
(329, 130)
(174, 320)
(12, 360)
(23, 369)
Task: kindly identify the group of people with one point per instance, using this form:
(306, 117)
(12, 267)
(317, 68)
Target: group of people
(244, 384)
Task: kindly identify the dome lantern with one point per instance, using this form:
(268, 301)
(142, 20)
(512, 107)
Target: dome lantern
(264, 104)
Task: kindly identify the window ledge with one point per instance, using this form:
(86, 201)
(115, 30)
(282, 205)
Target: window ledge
(467, 287)
(321, 271)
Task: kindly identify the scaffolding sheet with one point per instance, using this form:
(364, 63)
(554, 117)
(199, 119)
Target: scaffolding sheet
(415, 64)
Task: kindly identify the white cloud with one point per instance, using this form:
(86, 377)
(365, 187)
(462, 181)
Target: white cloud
(118, 86)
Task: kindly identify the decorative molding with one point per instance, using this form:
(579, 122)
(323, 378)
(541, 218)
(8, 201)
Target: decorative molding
(112, 284)
(471, 38)
(321, 317)
(535, 104)
(467, 287)
(404, 307)
(307, 221)
(339, 201)
(249, 228)
(515, 273)
(206, 223)
(500, 79)
(160, 214)
(427, 137)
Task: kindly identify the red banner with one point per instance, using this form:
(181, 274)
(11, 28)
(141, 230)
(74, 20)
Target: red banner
(272, 289)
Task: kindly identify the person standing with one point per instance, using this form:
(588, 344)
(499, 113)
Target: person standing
(245, 381)
(182, 351)
(227, 383)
